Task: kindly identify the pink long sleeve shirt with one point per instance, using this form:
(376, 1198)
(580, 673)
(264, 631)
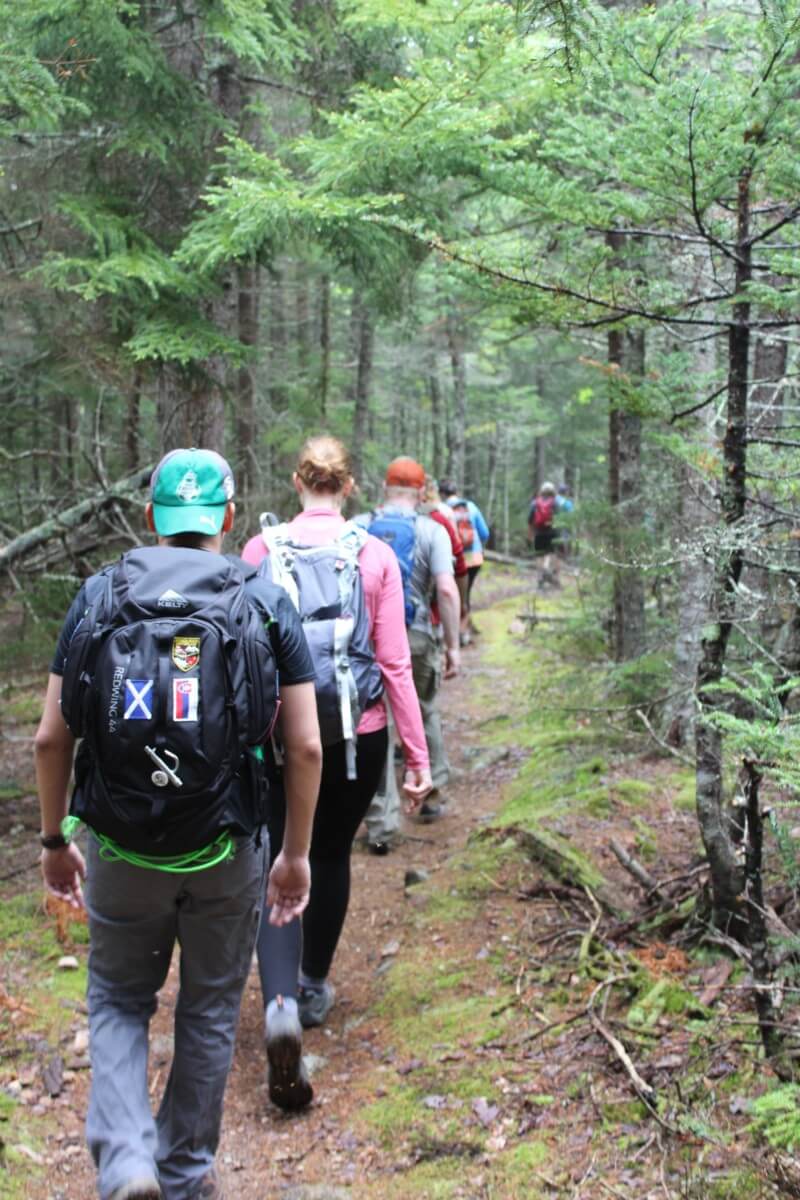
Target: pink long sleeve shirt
(383, 592)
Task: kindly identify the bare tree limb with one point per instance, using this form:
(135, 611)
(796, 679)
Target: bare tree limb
(72, 518)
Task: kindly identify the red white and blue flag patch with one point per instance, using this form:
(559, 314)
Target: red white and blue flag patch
(185, 699)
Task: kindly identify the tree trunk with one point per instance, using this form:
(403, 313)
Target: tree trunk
(324, 344)
(495, 443)
(277, 342)
(539, 463)
(455, 460)
(169, 407)
(693, 590)
(365, 332)
(626, 356)
(132, 421)
(302, 320)
(768, 1017)
(727, 877)
(246, 429)
(697, 513)
(71, 436)
(437, 413)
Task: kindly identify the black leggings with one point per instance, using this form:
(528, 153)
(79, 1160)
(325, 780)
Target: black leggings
(472, 575)
(341, 808)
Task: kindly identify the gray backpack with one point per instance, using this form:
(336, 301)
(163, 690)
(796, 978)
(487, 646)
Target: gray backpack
(324, 583)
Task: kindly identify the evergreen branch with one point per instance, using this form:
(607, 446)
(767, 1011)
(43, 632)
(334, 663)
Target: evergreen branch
(280, 87)
(792, 215)
(687, 412)
(698, 219)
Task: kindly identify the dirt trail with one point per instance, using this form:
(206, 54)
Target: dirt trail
(264, 1153)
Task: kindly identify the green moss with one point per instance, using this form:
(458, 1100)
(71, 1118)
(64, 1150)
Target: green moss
(10, 790)
(684, 796)
(397, 1111)
(440, 1179)
(646, 840)
(25, 710)
(29, 944)
(452, 1021)
(597, 803)
(623, 1112)
(632, 792)
(447, 908)
(529, 1154)
(659, 998)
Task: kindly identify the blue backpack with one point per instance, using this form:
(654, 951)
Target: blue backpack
(398, 529)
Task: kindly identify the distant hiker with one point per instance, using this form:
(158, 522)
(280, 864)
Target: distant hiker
(166, 667)
(349, 592)
(434, 507)
(564, 502)
(474, 533)
(425, 555)
(542, 530)
(565, 506)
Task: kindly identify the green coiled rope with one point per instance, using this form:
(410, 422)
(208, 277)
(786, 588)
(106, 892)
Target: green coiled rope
(220, 850)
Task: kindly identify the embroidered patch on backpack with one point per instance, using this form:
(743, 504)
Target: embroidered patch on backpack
(138, 700)
(186, 652)
(185, 699)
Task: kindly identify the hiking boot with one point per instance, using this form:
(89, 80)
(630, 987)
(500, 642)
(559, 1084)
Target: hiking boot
(431, 808)
(314, 1004)
(210, 1187)
(145, 1188)
(287, 1079)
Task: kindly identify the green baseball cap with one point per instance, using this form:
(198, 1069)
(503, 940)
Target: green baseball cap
(189, 490)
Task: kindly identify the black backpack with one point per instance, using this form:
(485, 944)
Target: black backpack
(170, 679)
(324, 583)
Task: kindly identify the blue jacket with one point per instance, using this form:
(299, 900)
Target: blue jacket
(478, 522)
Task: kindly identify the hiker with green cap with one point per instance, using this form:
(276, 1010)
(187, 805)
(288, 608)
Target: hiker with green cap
(166, 673)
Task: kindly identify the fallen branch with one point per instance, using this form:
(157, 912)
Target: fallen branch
(635, 868)
(525, 564)
(684, 758)
(72, 518)
(717, 938)
(643, 1090)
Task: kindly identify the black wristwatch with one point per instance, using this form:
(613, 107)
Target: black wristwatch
(53, 841)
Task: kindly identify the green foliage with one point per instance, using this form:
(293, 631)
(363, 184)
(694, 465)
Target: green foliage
(776, 1117)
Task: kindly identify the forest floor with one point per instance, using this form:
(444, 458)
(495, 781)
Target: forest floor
(468, 1054)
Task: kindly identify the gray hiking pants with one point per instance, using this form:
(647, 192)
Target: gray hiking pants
(135, 918)
(383, 817)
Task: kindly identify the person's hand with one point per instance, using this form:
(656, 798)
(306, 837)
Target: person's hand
(416, 785)
(288, 888)
(452, 662)
(62, 870)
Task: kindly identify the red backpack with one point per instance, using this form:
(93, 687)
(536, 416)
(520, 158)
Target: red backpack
(464, 527)
(543, 509)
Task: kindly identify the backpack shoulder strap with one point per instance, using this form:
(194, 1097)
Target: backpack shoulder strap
(353, 537)
(281, 559)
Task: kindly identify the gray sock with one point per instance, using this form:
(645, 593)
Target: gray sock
(289, 1006)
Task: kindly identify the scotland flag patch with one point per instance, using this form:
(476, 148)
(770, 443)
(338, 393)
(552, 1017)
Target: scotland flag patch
(139, 699)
